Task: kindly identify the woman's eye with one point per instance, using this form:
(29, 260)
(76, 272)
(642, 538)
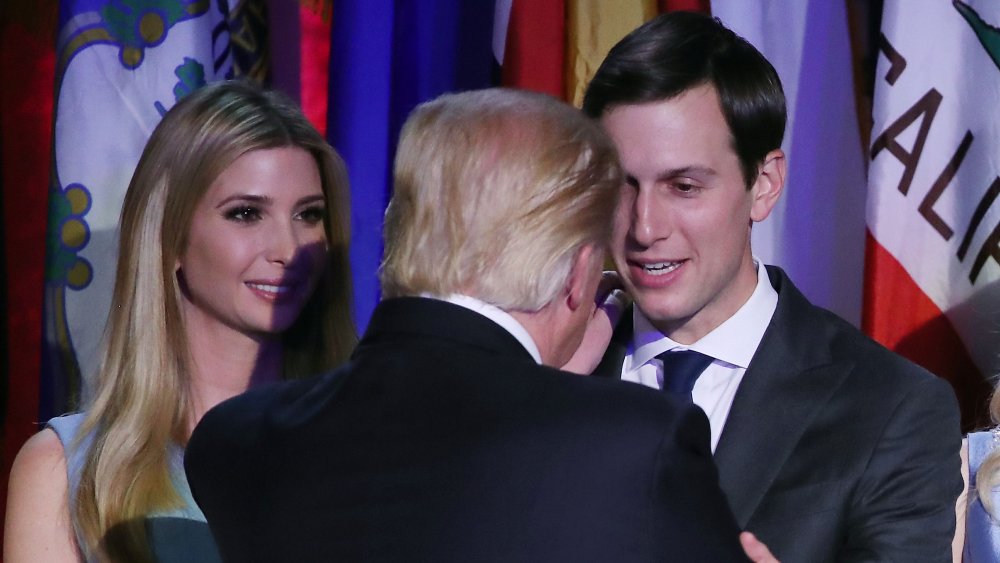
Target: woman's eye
(313, 214)
(243, 214)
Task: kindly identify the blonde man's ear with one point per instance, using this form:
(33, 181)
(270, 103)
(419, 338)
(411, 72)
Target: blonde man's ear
(611, 302)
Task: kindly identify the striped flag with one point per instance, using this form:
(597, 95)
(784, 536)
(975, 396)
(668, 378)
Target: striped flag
(120, 65)
(932, 277)
(555, 47)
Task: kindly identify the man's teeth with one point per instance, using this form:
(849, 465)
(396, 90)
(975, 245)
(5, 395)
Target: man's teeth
(660, 268)
(268, 288)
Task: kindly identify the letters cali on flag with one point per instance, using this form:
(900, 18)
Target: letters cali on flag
(121, 64)
(933, 255)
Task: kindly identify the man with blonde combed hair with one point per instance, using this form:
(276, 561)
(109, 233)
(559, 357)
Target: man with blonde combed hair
(545, 180)
(450, 436)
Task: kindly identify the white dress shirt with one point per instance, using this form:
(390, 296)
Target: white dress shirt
(732, 345)
(497, 315)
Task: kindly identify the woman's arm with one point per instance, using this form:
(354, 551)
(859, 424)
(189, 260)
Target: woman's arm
(961, 507)
(37, 526)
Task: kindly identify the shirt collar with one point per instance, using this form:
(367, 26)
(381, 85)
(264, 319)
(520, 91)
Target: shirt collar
(497, 315)
(734, 341)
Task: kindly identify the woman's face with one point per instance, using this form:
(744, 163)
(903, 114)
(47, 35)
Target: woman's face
(257, 246)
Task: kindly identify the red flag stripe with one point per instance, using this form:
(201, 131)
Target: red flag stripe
(902, 318)
(27, 71)
(703, 6)
(534, 53)
(315, 64)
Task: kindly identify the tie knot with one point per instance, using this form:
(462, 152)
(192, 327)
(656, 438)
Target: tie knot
(681, 369)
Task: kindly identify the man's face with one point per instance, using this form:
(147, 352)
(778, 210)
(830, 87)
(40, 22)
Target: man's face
(681, 239)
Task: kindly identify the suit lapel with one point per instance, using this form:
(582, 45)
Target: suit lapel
(788, 381)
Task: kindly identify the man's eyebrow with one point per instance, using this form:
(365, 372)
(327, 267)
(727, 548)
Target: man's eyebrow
(685, 171)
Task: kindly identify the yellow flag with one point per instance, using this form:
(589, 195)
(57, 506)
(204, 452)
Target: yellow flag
(592, 28)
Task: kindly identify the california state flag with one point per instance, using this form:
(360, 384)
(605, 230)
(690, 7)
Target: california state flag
(932, 266)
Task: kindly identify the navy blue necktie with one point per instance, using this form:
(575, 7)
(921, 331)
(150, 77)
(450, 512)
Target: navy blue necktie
(680, 370)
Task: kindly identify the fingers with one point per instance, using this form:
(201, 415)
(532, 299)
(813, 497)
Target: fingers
(611, 297)
(755, 549)
(610, 281)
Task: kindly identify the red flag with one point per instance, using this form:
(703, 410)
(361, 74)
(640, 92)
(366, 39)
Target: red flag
(534, 53)
(703, 6)
(27, 71)
(314, 23)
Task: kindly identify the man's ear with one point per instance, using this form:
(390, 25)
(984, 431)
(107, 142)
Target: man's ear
(768, 186)
(579, 275)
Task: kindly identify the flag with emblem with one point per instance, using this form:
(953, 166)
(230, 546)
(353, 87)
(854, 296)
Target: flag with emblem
(932, 266)
(120, 65)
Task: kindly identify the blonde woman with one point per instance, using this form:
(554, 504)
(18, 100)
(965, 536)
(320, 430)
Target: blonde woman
(978, 533)
(232, 271)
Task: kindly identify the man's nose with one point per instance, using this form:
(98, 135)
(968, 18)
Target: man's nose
(649, 223)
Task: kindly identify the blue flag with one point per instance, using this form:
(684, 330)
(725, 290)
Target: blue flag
(386, 57)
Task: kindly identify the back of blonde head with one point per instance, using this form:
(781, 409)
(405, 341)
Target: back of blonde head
(141, 401)
(495, 192)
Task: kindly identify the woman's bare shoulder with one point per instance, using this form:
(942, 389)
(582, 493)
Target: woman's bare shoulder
(37, 526)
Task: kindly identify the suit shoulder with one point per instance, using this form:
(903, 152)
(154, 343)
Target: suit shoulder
(882, 375)
(244, 420)
(633, 404)
(849, 342)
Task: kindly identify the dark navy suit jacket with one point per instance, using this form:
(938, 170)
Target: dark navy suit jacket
(442, 440)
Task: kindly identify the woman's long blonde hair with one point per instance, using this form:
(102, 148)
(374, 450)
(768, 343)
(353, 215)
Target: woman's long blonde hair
(988, 475)
(141, 403)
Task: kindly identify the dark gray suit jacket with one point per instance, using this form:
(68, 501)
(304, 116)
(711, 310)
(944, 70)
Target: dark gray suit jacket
(835, 449)
(442, 440)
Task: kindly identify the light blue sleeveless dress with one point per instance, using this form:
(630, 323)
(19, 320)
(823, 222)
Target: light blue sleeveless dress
(982, 533)
(179, 535)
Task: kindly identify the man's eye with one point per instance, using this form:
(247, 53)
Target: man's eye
(243, 214)
(685, 188)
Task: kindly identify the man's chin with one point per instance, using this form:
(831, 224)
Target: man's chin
(665, 314)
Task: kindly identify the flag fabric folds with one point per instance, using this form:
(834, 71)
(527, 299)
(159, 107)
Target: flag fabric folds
(932, 279)
(593, 27)
(120, 64)
(27, 67)
(530, 46)
(816, 231)
(386, 57)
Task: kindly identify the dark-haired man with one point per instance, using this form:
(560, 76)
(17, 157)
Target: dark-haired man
(829, 447)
